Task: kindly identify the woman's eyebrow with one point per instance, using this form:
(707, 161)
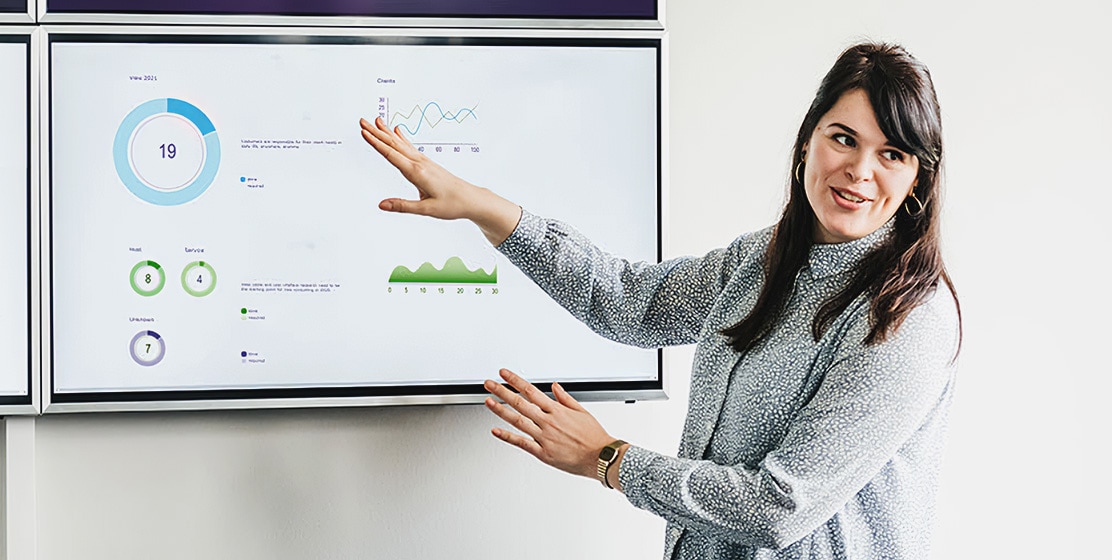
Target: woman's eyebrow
(845, 128)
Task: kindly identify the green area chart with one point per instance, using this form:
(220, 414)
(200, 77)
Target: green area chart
(453, 272)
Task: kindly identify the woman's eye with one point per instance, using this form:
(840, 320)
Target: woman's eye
(845, 140)
(893, 155)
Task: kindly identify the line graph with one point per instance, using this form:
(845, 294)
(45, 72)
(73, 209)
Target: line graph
(435, 127)
(432, 114)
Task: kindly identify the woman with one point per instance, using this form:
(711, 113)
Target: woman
(825, 359)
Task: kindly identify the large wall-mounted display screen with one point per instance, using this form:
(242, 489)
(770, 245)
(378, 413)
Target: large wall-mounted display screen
(214, 230)
(15, 230)
(563, 9)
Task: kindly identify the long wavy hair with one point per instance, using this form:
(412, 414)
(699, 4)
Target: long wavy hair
(904, 271)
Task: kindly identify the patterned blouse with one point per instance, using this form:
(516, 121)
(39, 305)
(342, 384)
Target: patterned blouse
(796, 449)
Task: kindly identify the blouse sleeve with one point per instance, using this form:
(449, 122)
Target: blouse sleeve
(640, 304)
(871, 402)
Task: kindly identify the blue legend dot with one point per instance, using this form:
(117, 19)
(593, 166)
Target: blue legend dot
(243, 354)
(243, 179)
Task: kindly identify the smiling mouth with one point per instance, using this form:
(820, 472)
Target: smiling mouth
(849, 196)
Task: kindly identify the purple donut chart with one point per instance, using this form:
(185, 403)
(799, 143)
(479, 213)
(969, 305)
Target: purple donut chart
(147, 348)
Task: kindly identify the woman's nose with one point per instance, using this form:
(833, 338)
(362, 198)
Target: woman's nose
(859, 168)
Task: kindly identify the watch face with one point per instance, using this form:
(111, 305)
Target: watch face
(607, 453)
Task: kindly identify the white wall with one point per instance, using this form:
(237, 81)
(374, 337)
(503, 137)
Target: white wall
(1024, 90)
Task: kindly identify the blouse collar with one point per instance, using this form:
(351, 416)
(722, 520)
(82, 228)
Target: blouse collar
(827, 259)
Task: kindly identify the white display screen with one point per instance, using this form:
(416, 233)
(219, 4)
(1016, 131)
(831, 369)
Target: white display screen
(15, 250)
(214, 220)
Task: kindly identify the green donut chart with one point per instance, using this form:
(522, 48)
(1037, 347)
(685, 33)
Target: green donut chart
(198, 278)
(166, 152)
(147, 278)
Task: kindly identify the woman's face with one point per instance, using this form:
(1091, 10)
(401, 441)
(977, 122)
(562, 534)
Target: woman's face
(855, 180)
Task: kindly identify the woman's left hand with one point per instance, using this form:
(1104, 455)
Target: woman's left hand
(559, 432)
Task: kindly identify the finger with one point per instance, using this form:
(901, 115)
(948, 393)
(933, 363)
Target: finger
(396, 158)
(379, 140)
(566, 399)
(528, 445)
(512, 418)
(387, 138)
(404, 141)
(365, 124)
(515, 400)
(530, 391)
(403, 206)
(504, 393)
(411, 169)
(379, 130)
(372, 130)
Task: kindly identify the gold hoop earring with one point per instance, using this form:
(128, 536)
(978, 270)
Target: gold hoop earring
(907, 208)
(797, 168)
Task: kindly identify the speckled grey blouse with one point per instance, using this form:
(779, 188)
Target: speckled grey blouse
(797, 449)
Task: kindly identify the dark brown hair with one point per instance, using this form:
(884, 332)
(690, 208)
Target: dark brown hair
(902, 272)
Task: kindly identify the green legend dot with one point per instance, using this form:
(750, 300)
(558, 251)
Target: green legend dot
(244, 310)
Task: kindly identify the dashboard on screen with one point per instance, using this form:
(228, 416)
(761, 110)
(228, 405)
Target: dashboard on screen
(215, 236)
(15, 230)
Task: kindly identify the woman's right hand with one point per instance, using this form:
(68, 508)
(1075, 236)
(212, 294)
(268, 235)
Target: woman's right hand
(441, 194)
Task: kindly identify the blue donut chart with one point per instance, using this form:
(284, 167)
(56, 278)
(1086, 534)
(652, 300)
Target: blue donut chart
(122, 157)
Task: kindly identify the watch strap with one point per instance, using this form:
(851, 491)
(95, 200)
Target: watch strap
(606, 457)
